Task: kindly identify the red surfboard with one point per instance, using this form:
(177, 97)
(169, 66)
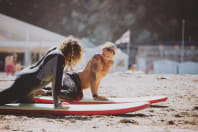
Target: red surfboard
(73, 109)
(150, 99)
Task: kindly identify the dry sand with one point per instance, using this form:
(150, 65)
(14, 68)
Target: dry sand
(178, 114)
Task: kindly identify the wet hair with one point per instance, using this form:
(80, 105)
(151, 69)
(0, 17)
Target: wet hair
(109, 46)
(72, 51)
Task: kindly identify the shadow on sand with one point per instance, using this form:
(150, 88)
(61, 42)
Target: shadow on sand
(49, 116)
(132, 115)
(158, 106)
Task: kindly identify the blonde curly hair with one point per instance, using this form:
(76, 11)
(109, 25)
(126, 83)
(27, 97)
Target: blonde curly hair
(72, 51)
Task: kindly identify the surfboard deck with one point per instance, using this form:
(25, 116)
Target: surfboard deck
(150, 99)
(73, 109)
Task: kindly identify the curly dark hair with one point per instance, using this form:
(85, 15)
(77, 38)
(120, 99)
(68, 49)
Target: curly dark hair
(72, 51)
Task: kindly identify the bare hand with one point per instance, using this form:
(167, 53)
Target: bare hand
(41, 92)
(100, 98)
(63, 105)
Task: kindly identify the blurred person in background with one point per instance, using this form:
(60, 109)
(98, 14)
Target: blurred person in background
(9, 65)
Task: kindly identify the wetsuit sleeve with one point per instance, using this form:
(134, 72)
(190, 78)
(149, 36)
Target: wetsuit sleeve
(57, 79)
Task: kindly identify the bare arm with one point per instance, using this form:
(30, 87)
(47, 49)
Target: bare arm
(97, 85)
(93, 73)
(95, 68)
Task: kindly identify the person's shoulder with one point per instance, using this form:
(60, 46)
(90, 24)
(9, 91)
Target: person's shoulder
(55, 50)
(55, 54)
(97, 56)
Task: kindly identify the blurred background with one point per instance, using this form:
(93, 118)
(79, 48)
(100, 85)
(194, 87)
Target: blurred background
(155, 36)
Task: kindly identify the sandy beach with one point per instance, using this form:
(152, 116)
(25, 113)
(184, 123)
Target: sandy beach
(178, 114)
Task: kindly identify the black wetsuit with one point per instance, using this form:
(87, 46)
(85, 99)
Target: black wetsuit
(71, 87)
(31, 79)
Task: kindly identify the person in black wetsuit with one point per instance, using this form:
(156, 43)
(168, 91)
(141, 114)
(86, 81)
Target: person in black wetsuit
(48, 69)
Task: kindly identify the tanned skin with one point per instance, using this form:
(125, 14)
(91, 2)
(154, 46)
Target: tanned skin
(95, 71)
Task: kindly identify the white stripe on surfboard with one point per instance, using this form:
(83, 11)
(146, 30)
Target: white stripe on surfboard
(98, 107)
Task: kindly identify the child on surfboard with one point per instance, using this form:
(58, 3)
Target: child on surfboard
(48, 69)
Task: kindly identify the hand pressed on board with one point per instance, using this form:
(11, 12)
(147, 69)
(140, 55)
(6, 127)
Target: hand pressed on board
(100, 98)
(63, 105)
